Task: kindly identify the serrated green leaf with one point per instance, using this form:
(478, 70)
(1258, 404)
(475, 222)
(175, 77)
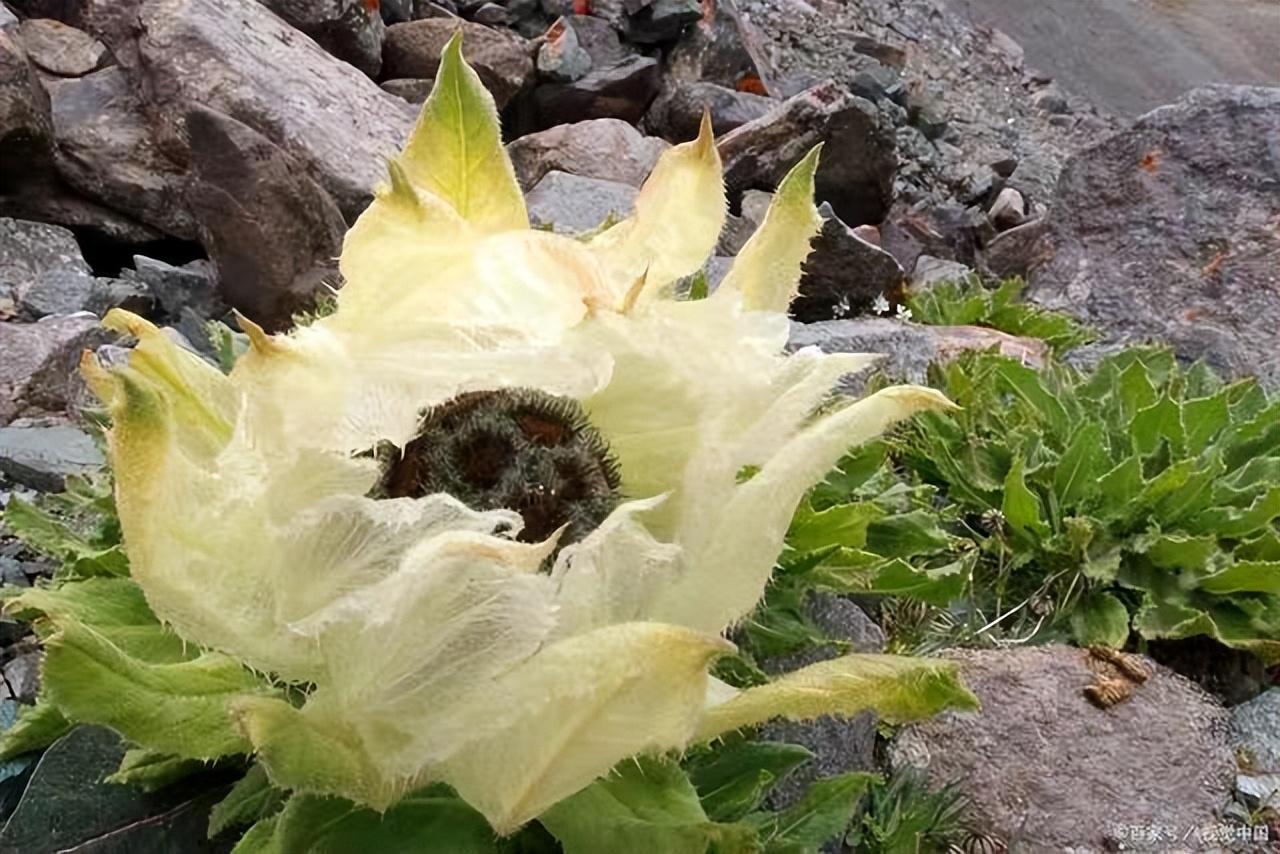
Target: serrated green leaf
(250, 800)
(1179, 551)
(259, 839)
(823, 814)
(434, 822)
(1204, 418)
(36, 728)
(1160, 420)
(179, 708)
(1242, 486)
(1236, 523)
(842, 525)
(1134, 390)
(1100, 618)
(936, 586)
(149, 770)
(1265, 546)
(644, 806)
(907, 535)
(1244, 577)
(1083, 462)
(734, 780)
(1020, 506)
(1028, 386)
(1120, 486)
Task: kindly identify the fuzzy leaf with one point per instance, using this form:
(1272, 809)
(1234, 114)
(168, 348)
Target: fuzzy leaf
(251, 799)
(150, 770)
(179, 708)
(1082, 463)
(644, 806)
(425, 823)
(36, 728)
(897, 689)
(767, 270)
(1021, 507)
(823, 814)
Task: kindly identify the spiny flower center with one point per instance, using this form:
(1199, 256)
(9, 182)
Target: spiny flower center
(518, 449)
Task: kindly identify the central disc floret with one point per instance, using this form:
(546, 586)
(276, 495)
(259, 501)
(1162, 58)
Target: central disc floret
(519, 449)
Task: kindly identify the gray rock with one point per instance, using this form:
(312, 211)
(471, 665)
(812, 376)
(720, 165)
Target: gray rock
(844, 274)
(573, 203)
(859, 157)
(59, 49)
(106, 151)
(597, 148)
(735, 234)
(41, 196)
(932, 271)
(599, 39)
(1255, 725)
(22, 677)
(1168, 230)
(42, 457)
(1018, 251)
(755, 205)
(412, 89)
(39, 359)
(726, 50)
(491, 15)
(193, 286)
(879, 83)
(1051, 100)
(926, 107)
(26, 129)
(396, 11)
(839, 745)
(8, 20)
(345, 28)
(270, 229)
(622, 90)
(729, 108)
(561, 59)
(909, 348)
(661, 20)
(1009, 209)
(1045, 770)
(41, 268)
(130, 294)
(503, 59)
(240, 59)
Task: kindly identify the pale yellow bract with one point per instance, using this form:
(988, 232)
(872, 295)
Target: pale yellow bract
(434, 648)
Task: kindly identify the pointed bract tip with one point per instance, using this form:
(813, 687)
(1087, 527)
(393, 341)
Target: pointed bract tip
(120, 320)
(97, 377)
(706, 140)
(259, 340)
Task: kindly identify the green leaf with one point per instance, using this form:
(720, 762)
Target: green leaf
(1135, 390)
(36, 728)
(1244, 577)
(644, 806)
(936, 586)
(1161, 420)
(1028, 386)
(1120, 486)
(431, 822)
(823, 814)
(841, 525)
(734, 780)
(259, 839)
(1179, 551)
(1238, 524)
(1204, 418)
(907, 535)
(149, 770)
(179, 708)
(251, 799)
(115, 608)
(1100, 618)
(1020, 506)
(1082, 463)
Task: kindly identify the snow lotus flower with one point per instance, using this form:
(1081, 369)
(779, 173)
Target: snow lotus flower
(365, 645)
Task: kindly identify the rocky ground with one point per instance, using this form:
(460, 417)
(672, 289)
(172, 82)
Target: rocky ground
(185, 157)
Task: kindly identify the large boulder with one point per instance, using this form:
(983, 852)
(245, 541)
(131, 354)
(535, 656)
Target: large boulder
(26, 128)
(238, 58)
(59, 49)
(573, 204)
(41, 269)
(348, 29)
(39, 364)
(1171, 230)
(106, 151)
(503, 59)
(597, 148)
(42, 456)
(622, 90)
(1043, 769)
(844, 274)
(859, 156)
(271, 230)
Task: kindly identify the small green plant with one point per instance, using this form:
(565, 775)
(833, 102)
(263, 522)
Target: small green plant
(1139, 497)
(903, 815)
(970, 303)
